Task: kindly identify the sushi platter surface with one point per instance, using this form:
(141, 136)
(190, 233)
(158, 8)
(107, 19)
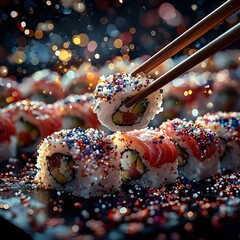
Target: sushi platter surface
(208, 209)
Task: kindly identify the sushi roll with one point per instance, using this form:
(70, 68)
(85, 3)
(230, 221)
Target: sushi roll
(76, 111)
(9, 92)
(8, 140)
(44, 85)
(80, 81)
(110, 94)
(227, 127)
(83, 162)
(185, 97)
(199, 148)
(33, 121)
(148, 158)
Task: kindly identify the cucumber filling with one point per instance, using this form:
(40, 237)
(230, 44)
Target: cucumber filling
(27, 133)
(132, 164)
(129, 117)
(61, 167)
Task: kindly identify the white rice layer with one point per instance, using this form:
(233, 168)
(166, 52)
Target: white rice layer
(155, 177)
(198, 170)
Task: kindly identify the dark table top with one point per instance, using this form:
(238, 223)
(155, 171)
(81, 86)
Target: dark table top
(209, 209)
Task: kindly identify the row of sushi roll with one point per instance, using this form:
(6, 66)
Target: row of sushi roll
(89, 162)
(211, 80)
(31, 120)
(89, 143)
(34, 119)
(195, 94)
(216, 91)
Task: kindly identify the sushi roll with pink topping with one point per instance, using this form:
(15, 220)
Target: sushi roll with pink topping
(8, 140)
(84, 162)
(80, 81)
(110, 94)
(44, 85)
(76, 111)
(33, 121)
(199, 148)
(227, 127)
(148, 158)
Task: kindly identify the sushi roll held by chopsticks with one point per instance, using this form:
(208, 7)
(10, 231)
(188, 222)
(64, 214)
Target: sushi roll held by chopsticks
(110, 94)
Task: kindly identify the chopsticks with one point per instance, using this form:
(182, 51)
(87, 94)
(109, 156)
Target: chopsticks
(193, 33)
(222, 41)
(219, 43)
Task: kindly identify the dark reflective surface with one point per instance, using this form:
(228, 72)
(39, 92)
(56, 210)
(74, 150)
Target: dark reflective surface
(208, 209)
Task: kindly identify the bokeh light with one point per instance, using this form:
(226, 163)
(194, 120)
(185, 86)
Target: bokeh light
(74, 31)
(3, 71)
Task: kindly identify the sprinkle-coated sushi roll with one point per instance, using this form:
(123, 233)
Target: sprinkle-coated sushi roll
(148, 158)
(44, 85)
(83, 162)
(8, 140)
(76, 111)
(185, 97)
(227, 127)
(33, 121)
(109, 97)
(80, 81)
(199, 148)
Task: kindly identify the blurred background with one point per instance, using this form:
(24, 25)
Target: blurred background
(61, 35)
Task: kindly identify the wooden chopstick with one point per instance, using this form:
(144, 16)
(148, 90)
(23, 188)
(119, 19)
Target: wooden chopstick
(193, 33)
(222, 41)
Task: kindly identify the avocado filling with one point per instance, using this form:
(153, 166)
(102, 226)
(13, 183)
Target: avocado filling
(182, 156)
(133, 116)
(27, 133)
(73, 122)
(61, 167)
(132, 164)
